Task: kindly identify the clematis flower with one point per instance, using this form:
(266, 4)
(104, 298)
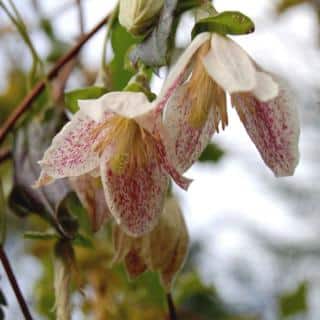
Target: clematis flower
(194, 95)
(163, 250)
(110, 135)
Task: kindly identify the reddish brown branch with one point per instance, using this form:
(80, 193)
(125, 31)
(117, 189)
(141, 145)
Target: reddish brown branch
(14, 284)
(38, 88)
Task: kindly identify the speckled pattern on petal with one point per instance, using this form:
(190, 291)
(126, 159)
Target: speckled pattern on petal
(135, 197)
(71, 152)
(273, 127)
(184, 142)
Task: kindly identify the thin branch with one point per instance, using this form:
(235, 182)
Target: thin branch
(171, 308)
(39, 87)
(14, 284)
(81, 16)
(5, 154)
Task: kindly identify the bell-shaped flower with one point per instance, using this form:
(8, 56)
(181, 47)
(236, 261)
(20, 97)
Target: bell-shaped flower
(194, 95)
(163, 250)
(111, 135)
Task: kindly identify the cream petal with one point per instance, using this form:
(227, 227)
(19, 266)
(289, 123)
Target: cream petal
(71, 152)
(183, 62)
(184, 142)
(135, 197)
(273, 127)
(266, 88)
(229, 65)
(126, 104)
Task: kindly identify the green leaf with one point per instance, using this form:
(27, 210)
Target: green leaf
(35, 235)
(294, 303)
(227, 22)
(82, 241)
(71, 98)
(121, 41)
(212, 153)
(3, 212)
(154, 50)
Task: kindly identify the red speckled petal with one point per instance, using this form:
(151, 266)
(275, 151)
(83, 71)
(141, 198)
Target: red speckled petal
(135, 197)
(273, 127)
(71, 152)
(184, 142)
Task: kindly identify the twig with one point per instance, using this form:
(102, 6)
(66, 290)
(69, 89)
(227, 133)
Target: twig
(14, 284)
(171, 308)
(5, 154)
(38, 88)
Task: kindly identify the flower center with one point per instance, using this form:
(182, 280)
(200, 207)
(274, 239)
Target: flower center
(204, 93)
(130, 145)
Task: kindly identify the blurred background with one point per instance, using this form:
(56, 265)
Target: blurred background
(255, 250)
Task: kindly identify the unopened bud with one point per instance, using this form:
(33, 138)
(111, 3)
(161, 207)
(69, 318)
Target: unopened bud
(138, 16)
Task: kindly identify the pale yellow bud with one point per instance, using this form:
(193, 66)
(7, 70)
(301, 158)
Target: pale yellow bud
(138, 16)
(164, 249)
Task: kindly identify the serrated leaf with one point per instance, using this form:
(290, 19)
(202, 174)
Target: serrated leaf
(34, 235)
(212, 153)
(71, 98)
(227, 22)
(153, 51)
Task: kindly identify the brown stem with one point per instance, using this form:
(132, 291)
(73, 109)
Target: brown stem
(14, 284)
(5, 154)
(38, 88)
(171, 307)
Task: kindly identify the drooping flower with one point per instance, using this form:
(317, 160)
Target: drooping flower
(195, 98)
(163, 250)
(111, 134)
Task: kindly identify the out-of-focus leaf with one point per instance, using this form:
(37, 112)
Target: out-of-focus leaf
(121, 41)
(3, 301)
(34, 235)
(228, 22)
(71, 98)
(284, 5)
(212, 153)
(294, 303)
(82, 241)
(30, 143)
(3, 212)
(154, 50)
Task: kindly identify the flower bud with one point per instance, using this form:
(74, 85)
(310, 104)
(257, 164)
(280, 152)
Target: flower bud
(164, 249)
(138, 16)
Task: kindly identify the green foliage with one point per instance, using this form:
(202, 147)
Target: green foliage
(154, 50)
(294, 303)
(284, 5)
(121, 42)
(71, 98)
(212, 153)
(3, 303)
(228, 22)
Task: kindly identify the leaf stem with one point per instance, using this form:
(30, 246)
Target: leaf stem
(171, 308)
(39, 87)
(14, 284)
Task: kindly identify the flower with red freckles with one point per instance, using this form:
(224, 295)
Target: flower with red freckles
(194, 96)
(116, 134)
